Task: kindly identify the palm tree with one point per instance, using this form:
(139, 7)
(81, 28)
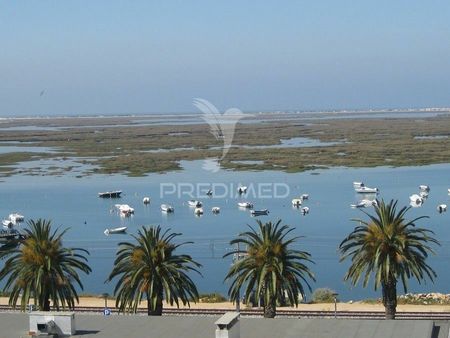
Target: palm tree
(267, 267)
(150, 268)
(391, 248)
(40, 268)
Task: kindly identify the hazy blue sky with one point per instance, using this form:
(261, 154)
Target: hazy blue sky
(103, 57)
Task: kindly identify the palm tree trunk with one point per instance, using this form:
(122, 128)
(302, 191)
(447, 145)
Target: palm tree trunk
(270, 308)
(157, 311)
(389, 290)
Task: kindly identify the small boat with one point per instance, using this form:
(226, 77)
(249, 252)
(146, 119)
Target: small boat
(448, 190)
(424, 187)
(8, 235)
(304, 197)
(167, 208)
(242, 189)
(261, 212)
(194, 203)
(16, 218)
(442, 208)
(358, 184)
(366, 190)
(110, 194)
(125, 209)
(209, 193)
(358, 205)
(112, 231)
(246, 205)
(215, 210)
(7, 224)
(146, 200)
(423, 194)
(304, 210)
(416, 199)
(364, 204)
(198, 211)
(296, 202)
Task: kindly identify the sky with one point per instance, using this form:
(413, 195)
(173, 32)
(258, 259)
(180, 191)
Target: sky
(136, 57)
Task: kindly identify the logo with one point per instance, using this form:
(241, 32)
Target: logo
(222, 126)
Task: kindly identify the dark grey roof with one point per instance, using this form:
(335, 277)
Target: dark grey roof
(15, 325)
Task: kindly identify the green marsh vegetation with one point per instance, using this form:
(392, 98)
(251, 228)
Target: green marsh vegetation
(119, 145)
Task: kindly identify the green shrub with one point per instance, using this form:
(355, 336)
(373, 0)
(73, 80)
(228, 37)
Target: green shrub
(211, 298)
(323, 295)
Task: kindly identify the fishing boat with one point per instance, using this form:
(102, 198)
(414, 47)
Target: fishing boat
(16, 218)
(242, 189)
(366, 190)
(246, 205)
(7, 224)
(296, 202)
(194, 203)
(305, 210)
(416, 199)
(125, 209)
(110, 194)
(215, 210)
(146, 200)
(167, 208)
(442, 208)
(198, 211)
(112, 231)
(261, 212)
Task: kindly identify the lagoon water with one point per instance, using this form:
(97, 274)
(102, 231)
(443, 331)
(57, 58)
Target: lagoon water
(71, 201)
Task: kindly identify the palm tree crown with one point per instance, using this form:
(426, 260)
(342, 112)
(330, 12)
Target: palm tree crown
(40, 268)
(151, 268)
(267, 268)
(389, 247)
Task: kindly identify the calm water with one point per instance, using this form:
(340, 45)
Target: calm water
(73, 202)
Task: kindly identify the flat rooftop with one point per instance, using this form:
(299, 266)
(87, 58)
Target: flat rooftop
(15, 325)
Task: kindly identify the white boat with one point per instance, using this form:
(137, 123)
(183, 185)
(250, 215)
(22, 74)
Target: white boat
(125, 209)
(146, 200)
(198, 211)
(261, 212)
(115, 230)
(215, 210)
(366, 190)
(448, 190)
(358, 184)
(424, 187)
(167, 208)
(442, 208)
(305, 210)
(296, 202)
(209, 193)
(304, 197)
(7, 224)
(242, 189)
(16, 218)
(246, 205)
(364, 204)
(423, 194)
(416, 199)
(194, 203)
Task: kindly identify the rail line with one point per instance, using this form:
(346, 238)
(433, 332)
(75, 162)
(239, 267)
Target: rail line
(280, 313)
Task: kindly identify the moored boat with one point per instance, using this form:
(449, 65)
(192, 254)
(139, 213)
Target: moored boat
(442, 208)
(366, 190)
(424, 187)
(215, 210)
(194, 203)
(112, 231)
(261, 212)
(296, 202)
(110, 194)
(246, 205)
(16, 218)
(242, 189)
(167, 208)
(125, 209)
(417, 199)
(305, 210)
(304, 197)
(7, 224)
(358, 184)
(146, 200)
(198, 211)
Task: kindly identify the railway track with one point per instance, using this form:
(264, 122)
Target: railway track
(280, 313)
